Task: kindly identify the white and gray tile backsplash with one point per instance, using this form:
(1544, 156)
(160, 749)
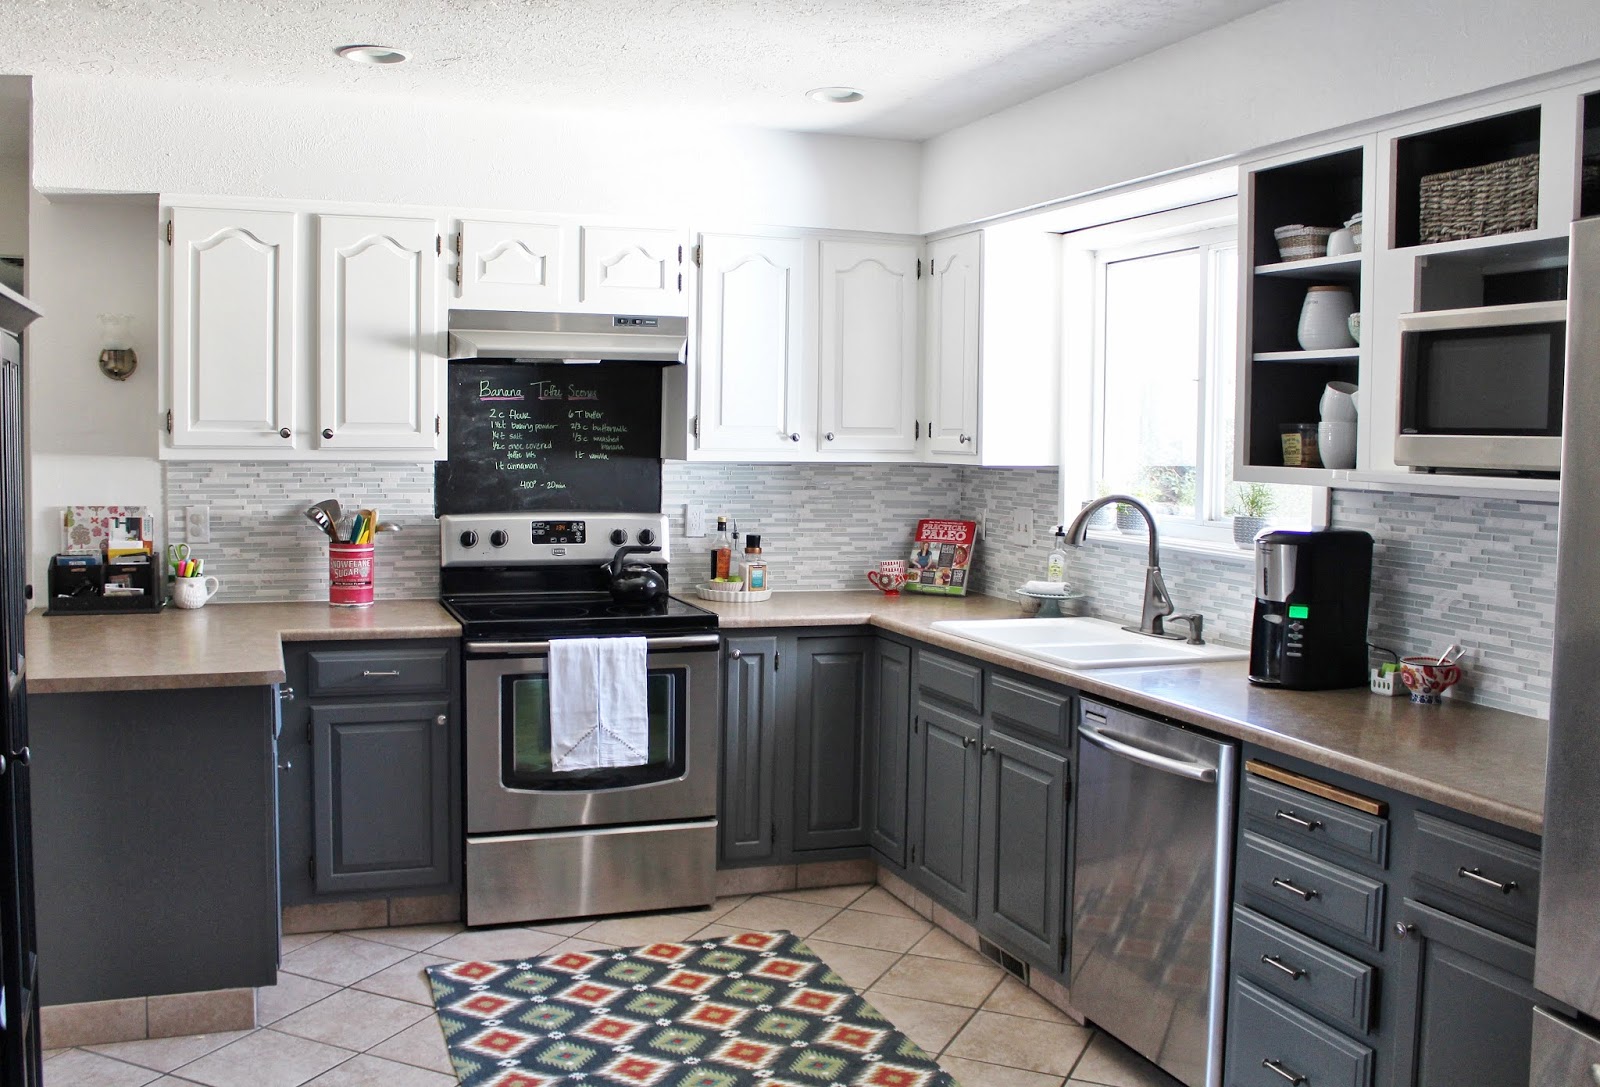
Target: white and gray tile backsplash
(1475, 571)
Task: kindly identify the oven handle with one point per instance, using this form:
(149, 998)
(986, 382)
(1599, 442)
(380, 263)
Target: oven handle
(679, 641)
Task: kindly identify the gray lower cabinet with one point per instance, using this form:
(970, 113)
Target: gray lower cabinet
(794, 727)
(888, 750)
(370, 773)
(1022, 852)
(1465, 1001)
(943, 834)
(381, 795)
(830, 683)
(156, 863)
(747, 812)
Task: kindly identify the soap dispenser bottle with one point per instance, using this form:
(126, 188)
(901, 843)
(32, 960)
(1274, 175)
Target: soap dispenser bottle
(1055, 569)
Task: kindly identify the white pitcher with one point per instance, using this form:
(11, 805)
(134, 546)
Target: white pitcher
(1339, 403)
(193, 592)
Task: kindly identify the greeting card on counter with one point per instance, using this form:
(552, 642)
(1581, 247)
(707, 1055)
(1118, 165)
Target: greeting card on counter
(941, 557)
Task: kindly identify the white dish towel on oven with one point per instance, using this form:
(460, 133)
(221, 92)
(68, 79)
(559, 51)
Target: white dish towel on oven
(599, 708)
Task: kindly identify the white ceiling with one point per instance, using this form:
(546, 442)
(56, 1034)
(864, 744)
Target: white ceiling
(926, 65)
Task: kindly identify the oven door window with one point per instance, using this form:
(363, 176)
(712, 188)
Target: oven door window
(527, 761)
(1492, 381)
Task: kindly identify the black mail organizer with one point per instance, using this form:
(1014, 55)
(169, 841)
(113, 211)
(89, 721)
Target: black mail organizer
(79, 584)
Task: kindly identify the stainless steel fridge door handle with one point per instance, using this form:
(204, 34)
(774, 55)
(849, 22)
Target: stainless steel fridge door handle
(1477, 876)
(681, 641)
(1183, 768)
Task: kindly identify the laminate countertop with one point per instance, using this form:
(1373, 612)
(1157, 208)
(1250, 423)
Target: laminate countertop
(1478, 760)
(219, 645)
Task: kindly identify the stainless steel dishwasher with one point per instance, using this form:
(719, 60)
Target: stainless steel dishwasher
(1151, 887)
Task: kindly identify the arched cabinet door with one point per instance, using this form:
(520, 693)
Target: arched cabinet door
(867, 355)
(633, 270)
(380, 359)
(951, 348)
(231, 329)
(507, 265)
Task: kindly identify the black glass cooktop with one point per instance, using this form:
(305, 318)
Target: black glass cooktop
(513, 616)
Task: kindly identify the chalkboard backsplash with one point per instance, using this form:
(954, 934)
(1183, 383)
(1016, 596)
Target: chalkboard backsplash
(552, 436)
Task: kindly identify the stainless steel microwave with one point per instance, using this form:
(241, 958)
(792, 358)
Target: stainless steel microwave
(1480, 389)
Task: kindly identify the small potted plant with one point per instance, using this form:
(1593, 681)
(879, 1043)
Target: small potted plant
(1128, 519)
(1252, 504)
(1101, 517)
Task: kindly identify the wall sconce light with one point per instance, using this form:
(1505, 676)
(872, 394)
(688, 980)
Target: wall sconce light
(117, 359)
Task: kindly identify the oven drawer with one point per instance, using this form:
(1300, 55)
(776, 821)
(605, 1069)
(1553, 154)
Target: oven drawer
(377, 671)
(580, 873)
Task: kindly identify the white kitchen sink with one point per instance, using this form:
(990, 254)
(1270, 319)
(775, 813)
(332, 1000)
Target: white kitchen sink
(1084, 642)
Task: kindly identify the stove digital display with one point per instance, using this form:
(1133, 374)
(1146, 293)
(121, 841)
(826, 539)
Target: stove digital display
(558, 532)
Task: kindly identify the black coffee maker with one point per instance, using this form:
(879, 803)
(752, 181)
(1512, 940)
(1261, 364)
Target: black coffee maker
(1310, 630)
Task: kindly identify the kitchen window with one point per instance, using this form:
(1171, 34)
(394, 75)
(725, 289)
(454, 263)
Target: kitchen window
(1158, 299)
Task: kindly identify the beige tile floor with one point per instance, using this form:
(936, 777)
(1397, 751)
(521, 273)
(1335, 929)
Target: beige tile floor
(351, 1009)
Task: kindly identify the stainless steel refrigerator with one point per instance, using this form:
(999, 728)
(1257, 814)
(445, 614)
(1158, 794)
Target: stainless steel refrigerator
(1566, 1047)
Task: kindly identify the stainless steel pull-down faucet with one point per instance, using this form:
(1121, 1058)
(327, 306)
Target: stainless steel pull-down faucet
(1157, 604)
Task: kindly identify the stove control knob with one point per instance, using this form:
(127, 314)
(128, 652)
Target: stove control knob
(499, 538)
(469, 538)
(646, 537)
(619, 537)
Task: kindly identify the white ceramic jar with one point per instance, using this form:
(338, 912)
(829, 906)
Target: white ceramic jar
(1324, 319)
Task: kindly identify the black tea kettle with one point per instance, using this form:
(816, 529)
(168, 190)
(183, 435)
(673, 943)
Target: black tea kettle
(636, 582)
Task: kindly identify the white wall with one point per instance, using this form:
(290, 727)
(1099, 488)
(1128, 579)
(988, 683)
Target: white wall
(1296, 68)
(112, 135)
(93, 440)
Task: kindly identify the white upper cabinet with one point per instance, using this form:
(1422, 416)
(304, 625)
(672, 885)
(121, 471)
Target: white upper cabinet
(950, 350)
(632, 270)
(752, 366)
(867, 354)
(506, 265)
(230, 334)
(379, 350)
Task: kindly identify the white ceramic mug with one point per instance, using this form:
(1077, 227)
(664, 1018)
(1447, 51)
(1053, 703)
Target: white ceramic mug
(193, 592)
(1337, 444)
(1338, 403)
(1341, 243)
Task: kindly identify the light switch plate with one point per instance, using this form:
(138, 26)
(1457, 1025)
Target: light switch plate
(197, 524)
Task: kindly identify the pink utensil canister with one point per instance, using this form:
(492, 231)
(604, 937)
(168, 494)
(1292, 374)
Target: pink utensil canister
(350, 570)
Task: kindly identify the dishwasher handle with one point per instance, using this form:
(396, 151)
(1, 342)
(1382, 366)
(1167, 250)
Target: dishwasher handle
(1184, 768)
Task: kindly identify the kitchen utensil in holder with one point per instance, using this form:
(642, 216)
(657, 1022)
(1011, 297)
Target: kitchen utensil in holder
(350, 575)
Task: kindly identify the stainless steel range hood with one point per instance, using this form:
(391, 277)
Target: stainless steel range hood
(567, 337)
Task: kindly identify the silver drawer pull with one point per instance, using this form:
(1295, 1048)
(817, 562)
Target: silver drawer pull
(367, 674)
(1291, 817)
(1278, 964)
(1292, 1077)
(1477, 876)
(1292, 889)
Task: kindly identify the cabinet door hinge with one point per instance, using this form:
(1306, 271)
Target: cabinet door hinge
(916, 433)
(169, 231)
(694, 426)
(773, 834)
(308, 731)
(459, 243)
(698, 256)
(915, 721)
(680, 254)
(438, 427)
(458, 273)
(438, 245)
(311, 867)
(919, 267)
(169, 420)
(913, 854)
(680, 282)
(777, 658)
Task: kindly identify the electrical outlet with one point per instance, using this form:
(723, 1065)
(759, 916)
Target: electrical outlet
(197, 524)
(1022, 526)
(694, 520)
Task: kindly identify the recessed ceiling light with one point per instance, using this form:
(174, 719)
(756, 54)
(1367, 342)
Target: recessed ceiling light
(374, 54)
(836, 96)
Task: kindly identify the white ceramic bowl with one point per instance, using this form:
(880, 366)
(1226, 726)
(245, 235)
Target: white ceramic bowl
(1338, 403)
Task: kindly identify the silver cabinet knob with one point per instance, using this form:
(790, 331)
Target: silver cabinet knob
(22, 756)
(735, 654)
(285, 433)
(327, 433)
(829, 435)
(285, 694)
(286, 764)
(966, 439)
(442, 719)
(795, 436)
(1402, 930)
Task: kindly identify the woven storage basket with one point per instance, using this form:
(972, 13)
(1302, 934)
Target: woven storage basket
(1478, 201)
(1302, 242)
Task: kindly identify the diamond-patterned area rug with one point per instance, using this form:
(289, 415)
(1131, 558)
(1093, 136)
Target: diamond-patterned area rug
(753, 1008)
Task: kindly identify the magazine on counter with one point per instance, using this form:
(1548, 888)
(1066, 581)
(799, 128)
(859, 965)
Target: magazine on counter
(941, 557)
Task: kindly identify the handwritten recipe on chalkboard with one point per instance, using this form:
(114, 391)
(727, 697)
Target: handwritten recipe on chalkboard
(552, 436)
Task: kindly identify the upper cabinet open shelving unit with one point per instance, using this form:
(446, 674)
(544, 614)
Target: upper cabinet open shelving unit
(1461, 208)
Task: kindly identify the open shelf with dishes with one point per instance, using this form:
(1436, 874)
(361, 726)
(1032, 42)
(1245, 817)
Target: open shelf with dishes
(1301, 295)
